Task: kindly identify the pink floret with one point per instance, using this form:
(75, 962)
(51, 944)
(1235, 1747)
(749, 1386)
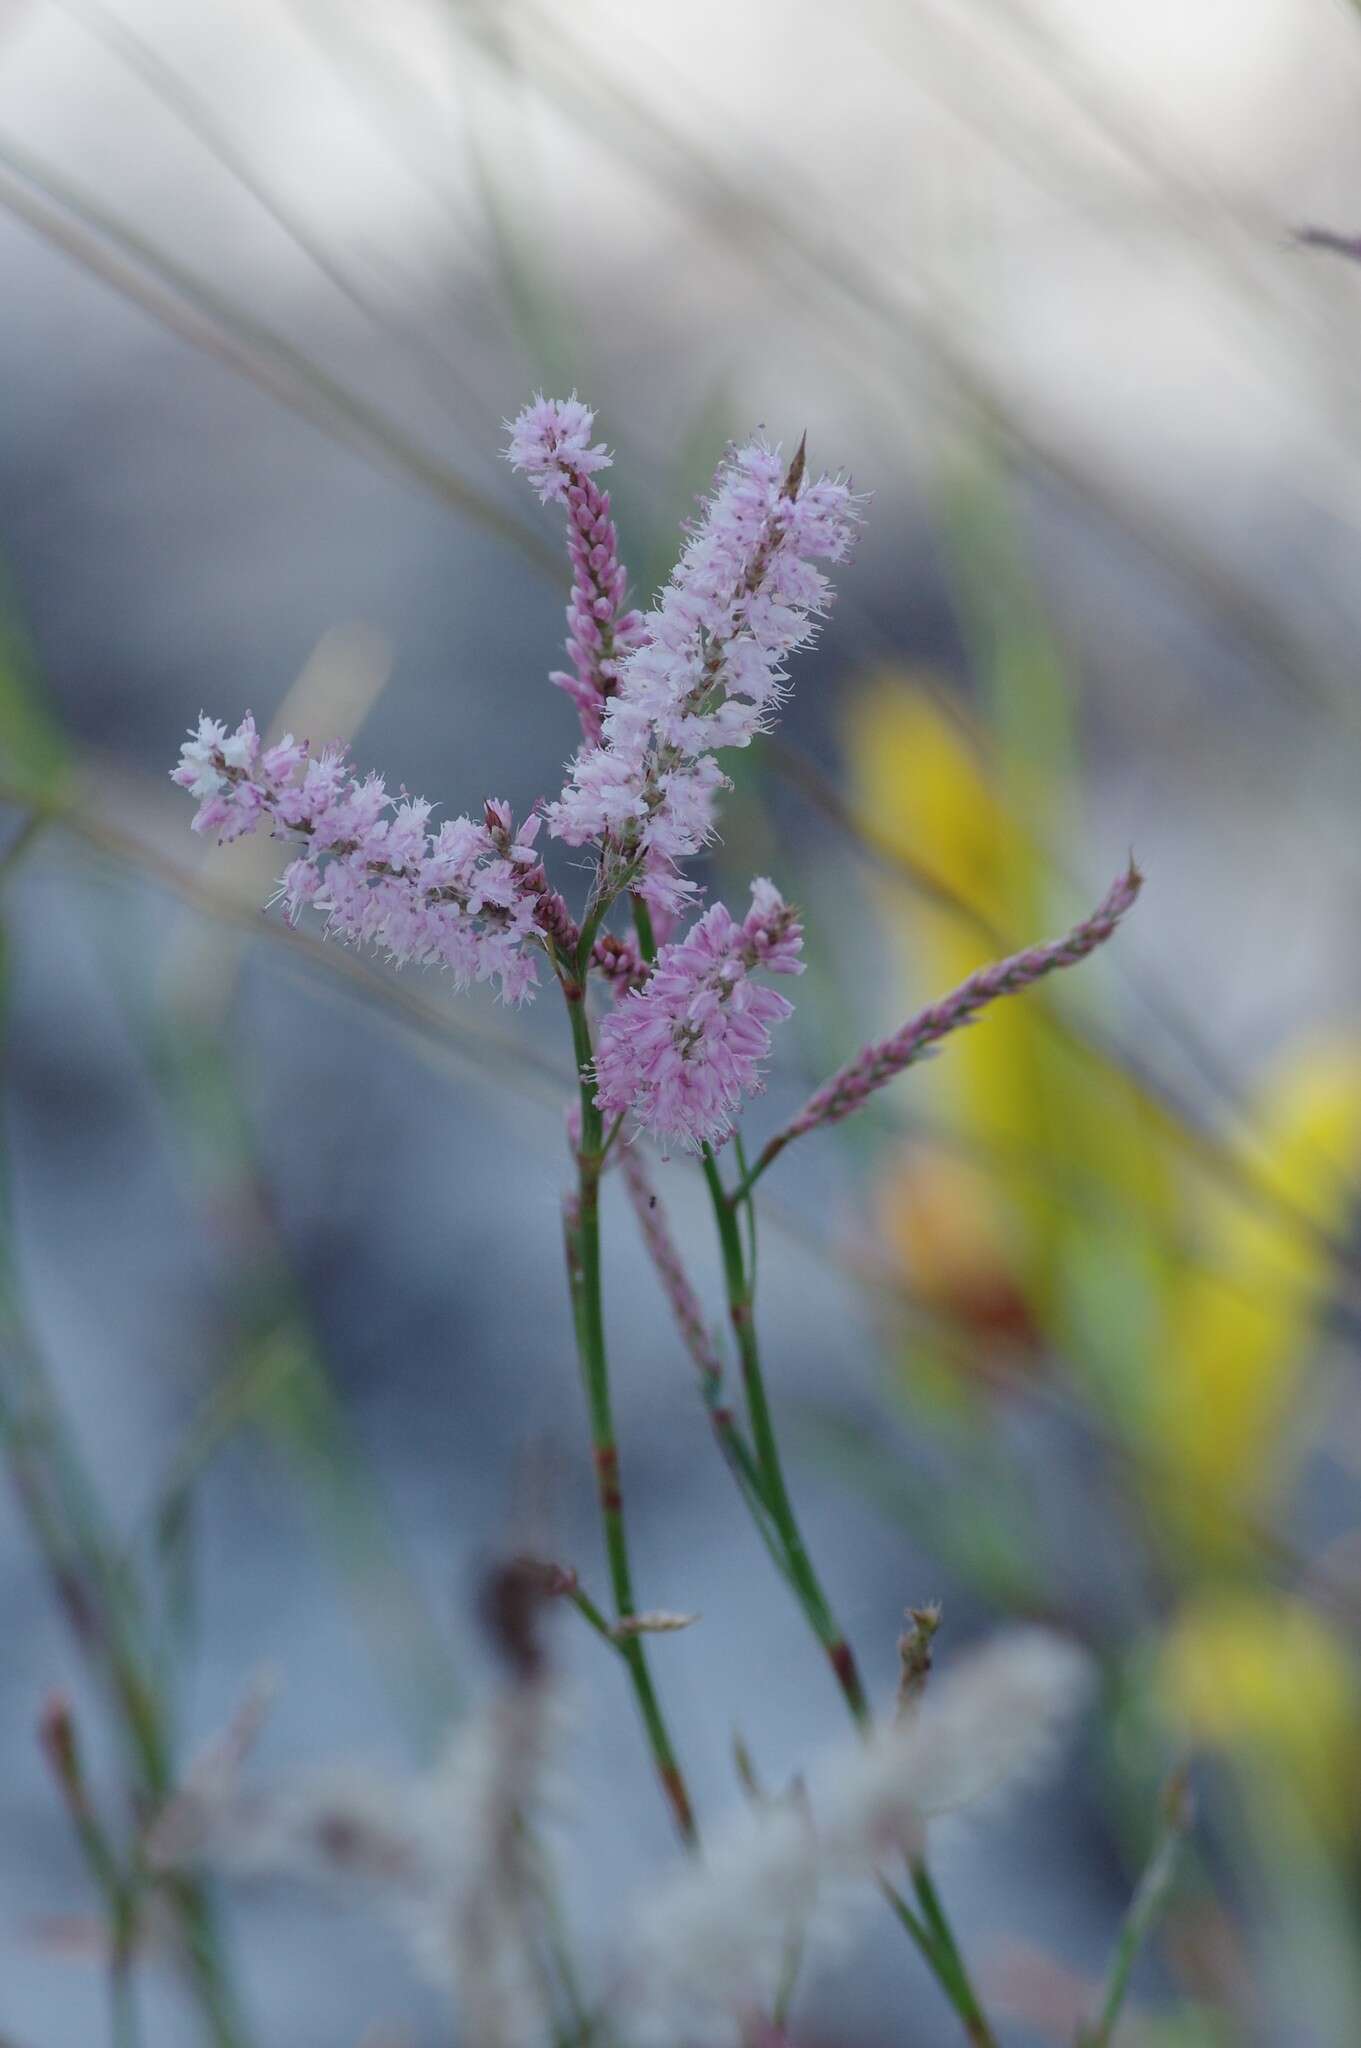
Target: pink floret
(682, 1052)
(468, 897)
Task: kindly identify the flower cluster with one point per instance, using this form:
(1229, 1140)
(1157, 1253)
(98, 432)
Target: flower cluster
(469, 897)
(683, 1050)
(709, 672)
(659, 698)
(550, 443)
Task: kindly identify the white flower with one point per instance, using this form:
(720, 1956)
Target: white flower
(708, 1945)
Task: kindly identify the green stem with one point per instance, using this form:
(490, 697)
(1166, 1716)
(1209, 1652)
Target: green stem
(1146, 1907)
(590, 1613)
(588, 1313)
(950, 1966)
(123, 2021)
(642, 924)
(727, 1435)
(206, 1968)
(921, 1934)
(100, 1601)
(744, 1470)
(744, 1202)
(119, 1889)
(743, 1191)
(595, 917)
(767, 1497)
(774, 1490)
(931, 1931)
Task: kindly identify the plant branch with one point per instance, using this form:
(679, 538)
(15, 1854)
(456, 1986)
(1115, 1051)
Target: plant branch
(931, 1930)
(584, 1279)
(776, 1493)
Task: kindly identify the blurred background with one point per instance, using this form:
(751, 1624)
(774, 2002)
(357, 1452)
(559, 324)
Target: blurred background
(1068, 1327)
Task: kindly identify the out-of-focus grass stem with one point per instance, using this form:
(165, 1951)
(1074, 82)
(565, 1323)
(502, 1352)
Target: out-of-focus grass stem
(74, 221)
(1151, 1895)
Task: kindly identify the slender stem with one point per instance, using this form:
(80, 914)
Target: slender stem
(703, 1353)
(588, 1313)
(931, 1931)
(145, 1716)
(594, 918)
(642, 924)
(767, 1497)
(198, 1928)
(774, 1490)
(750, 1175)
(918, 1929)
(102, 1607)
(579, 2027)
(124, 2024)
(950, 1966)
(610, 1136)
(589, 1612)
(1150, 1898)
(118, 1887)
(744, 1201)
(726, 1432)
(744, 1469)
(729, 1437)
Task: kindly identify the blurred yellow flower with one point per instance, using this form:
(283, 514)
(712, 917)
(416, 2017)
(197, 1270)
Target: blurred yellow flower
(1225, 1389)
(1261, 1680)
(922, 790)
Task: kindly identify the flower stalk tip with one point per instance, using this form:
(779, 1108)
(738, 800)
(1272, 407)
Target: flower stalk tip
(550, 444)
(708, 672)
(915, 1651)
(875, 1065)
(793, 480)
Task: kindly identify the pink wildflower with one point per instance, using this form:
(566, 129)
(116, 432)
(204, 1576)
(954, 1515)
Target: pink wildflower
(469, 897)
(549, 442)
(683, 1051)
(709, 673)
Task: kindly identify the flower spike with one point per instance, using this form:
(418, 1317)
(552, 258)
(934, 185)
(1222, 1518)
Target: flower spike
(876, 1065)
(472, 898)
(710, 673)
(549, 443)
(682, 1052)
